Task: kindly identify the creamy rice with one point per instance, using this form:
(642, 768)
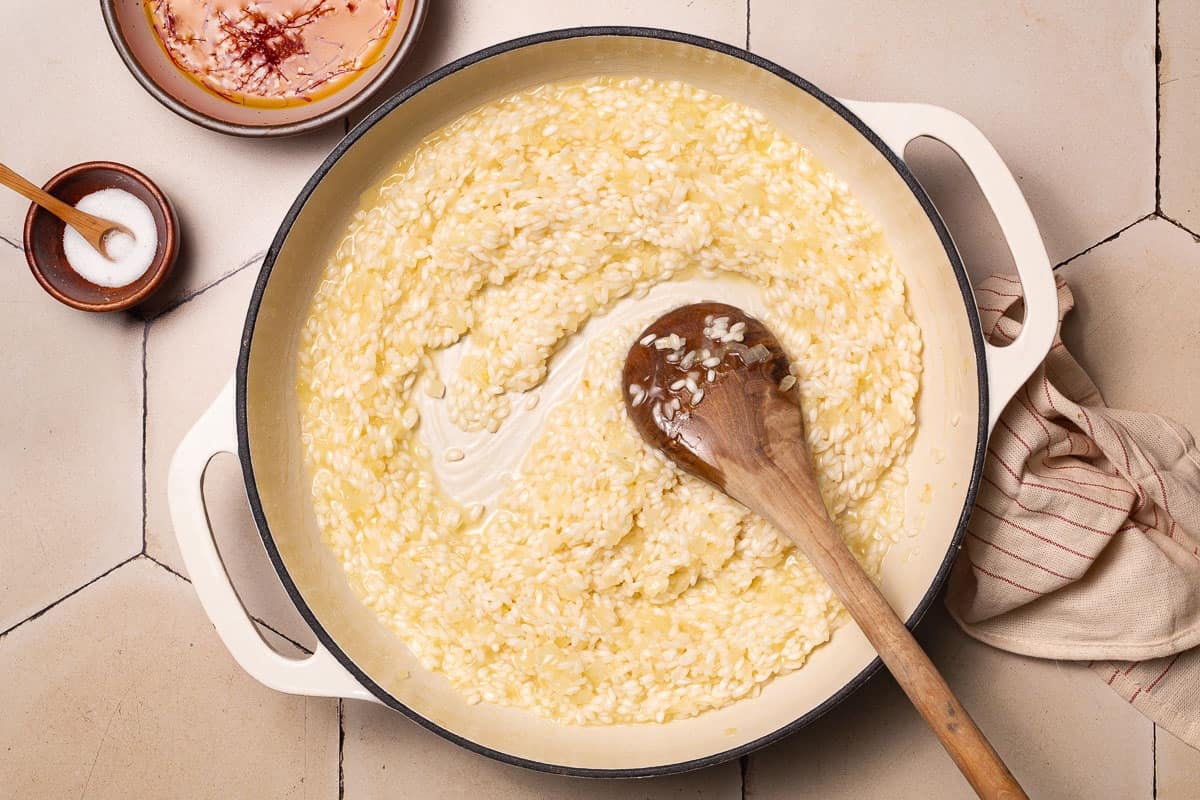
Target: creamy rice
(603, 585)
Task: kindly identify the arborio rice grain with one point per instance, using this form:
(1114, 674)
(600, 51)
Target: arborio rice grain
(604, 586)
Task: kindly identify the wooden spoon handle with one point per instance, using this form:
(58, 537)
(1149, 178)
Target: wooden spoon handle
(91, 228)
(31, 192)
(792, 509)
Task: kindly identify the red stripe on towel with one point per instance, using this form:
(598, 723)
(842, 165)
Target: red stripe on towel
(1001, 578)
(1063, 547)
(1047, 513)
(1020, 481)
(1162, 674)
(1018, 558)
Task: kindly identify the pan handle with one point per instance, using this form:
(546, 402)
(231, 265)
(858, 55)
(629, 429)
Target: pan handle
(1010, 366)
(318, 675)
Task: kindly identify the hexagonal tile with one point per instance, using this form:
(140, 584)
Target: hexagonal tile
(455, 28)
(1135, 327)
(190, 353)
(1064, 94)
(1177, 768)
(388, 756)
(1179, 110)
(78, 102)
(1136, 330)
(125, 687)
(1062, 732)
(98, 699)
(72, 433)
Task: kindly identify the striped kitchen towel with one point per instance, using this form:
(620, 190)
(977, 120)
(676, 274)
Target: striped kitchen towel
(1085, 540)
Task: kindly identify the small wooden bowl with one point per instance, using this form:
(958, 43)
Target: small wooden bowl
(44, 238)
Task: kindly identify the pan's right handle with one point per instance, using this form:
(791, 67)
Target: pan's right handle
(1010, 366)
(318, 675)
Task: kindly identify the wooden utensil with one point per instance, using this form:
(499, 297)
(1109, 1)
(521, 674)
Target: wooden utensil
(92, 228)
(711, 388)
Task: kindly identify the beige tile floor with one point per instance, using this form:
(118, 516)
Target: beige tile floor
(73, 100)
(115, 685)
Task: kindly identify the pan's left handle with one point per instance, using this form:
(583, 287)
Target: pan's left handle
(318, 675)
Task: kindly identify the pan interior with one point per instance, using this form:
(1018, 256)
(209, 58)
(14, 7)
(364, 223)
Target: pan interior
(941, 465)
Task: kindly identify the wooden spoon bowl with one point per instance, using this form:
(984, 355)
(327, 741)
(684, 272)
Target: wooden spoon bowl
(44, 238)
(712, 388)
(746, 372)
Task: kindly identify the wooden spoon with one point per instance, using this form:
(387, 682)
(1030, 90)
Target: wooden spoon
(94, 229)
(711, 388)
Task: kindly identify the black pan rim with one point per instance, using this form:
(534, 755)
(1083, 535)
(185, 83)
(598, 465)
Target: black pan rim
(398, 99)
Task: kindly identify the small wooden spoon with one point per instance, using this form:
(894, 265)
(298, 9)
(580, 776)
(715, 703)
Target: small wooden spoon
(94, 229)
(719, 401)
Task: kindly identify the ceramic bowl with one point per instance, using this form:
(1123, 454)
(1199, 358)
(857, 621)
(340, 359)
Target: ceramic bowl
(44, 238)
(139, 47)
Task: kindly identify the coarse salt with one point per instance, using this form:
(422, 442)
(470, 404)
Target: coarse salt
(129, 257)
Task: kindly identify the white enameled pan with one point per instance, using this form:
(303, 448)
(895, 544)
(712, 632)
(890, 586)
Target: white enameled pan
(965, 385)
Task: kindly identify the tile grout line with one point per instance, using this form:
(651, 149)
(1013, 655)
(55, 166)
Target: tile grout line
(171, 570)
(280, 634)
(187, 298)
(1154, 761)
(266, 625)
(747, 24)
(1179, 225)
(1157, 107)
(69, 595)
(1105, 240)
(341, 751)
(145, 425)
(9, 241)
